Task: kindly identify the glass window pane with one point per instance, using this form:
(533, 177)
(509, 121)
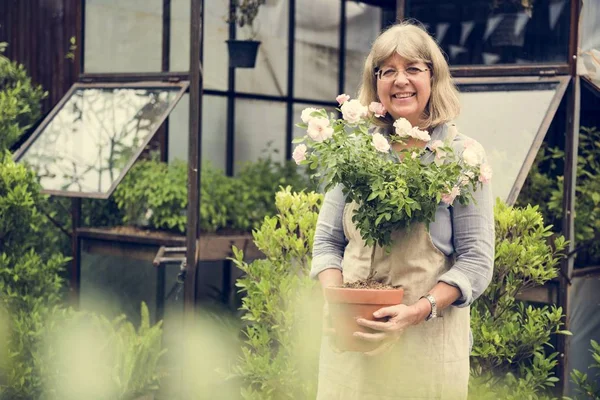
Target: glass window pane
(259, 131)
(497, 31)
(123, 36)
(505, 120)
(214, 130)
(363, 24)
(269, 76)
(112, 284)
(91, 139)
(316, 44)
(216, 32)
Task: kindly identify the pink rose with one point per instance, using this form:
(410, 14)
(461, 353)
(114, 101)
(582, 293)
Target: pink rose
(342, 98)
(485, 173)
(378, 109)
(353, 111)
(449, 197)
(319, 129)
(299, 153)
(381, 143)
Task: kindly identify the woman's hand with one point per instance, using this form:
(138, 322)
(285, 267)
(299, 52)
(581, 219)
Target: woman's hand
(399, 317)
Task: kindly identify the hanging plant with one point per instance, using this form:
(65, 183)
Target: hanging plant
(242, 53)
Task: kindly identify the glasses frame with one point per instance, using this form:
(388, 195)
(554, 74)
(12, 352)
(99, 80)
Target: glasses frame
(379, 77)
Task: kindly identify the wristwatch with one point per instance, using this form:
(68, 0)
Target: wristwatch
(431, 300)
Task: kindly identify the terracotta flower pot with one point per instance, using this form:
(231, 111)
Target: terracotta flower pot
(346, 304)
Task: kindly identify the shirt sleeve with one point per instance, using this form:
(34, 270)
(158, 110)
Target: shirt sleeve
(473, 238)
(330, 241)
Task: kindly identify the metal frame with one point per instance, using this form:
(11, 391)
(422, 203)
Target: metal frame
(77, 86)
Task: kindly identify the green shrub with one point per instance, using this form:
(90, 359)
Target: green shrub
(19, 102)
(587, 386)
(544, 182)
(30, 283)
(155, 193)
(279, 359)
(509, 358)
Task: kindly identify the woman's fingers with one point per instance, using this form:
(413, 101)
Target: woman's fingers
(376, 325)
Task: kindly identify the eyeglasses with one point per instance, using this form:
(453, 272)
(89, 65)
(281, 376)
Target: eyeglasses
(390, 74)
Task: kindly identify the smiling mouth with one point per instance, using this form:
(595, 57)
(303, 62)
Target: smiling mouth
(403, 95)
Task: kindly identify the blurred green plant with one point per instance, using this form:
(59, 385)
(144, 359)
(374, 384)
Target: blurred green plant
(155, 194)
(509, 359)
(280, 356)
(587, 386)
(89, 356)
(544, 182)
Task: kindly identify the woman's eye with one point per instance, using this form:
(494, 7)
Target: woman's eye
(388, 73)
(413, 70)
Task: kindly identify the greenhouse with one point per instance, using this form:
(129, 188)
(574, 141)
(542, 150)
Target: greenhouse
(157, 217)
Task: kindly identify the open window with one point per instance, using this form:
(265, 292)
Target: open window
(86, 145)
(510, 118)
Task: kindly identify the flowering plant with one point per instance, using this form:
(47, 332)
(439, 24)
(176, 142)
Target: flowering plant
(394, 187)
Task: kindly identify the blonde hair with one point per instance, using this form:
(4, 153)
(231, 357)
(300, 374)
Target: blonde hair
(414, 44)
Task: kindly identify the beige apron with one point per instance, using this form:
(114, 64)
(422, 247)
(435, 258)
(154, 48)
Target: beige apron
(430, 360)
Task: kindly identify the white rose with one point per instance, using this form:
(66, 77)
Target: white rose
(306, 117)
(419, 134)
(403, 127)
(353, 111)
(319, 129)
(474, 153)
(381, 143)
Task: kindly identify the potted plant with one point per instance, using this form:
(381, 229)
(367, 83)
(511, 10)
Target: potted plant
(390, 195)
(358, 300)
(242, 53)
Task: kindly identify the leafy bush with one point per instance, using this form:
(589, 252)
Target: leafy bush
(155, 193)
(509, 359)
(280, 356)
(544, 183)
(587, 386)
(30, 283)
(19, 102)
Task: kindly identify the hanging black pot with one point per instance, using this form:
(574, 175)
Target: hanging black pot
(242, 53)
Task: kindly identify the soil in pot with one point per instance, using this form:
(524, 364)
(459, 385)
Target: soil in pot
(361, 300)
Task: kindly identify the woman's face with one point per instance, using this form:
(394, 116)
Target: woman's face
(407, 95)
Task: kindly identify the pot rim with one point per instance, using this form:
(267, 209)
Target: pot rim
(364, 296)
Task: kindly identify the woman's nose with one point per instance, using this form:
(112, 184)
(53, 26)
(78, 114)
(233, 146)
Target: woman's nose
(401, 78)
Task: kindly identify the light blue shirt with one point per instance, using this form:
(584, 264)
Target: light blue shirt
(464, 231)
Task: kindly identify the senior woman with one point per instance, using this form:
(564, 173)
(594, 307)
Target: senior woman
(426, 341)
